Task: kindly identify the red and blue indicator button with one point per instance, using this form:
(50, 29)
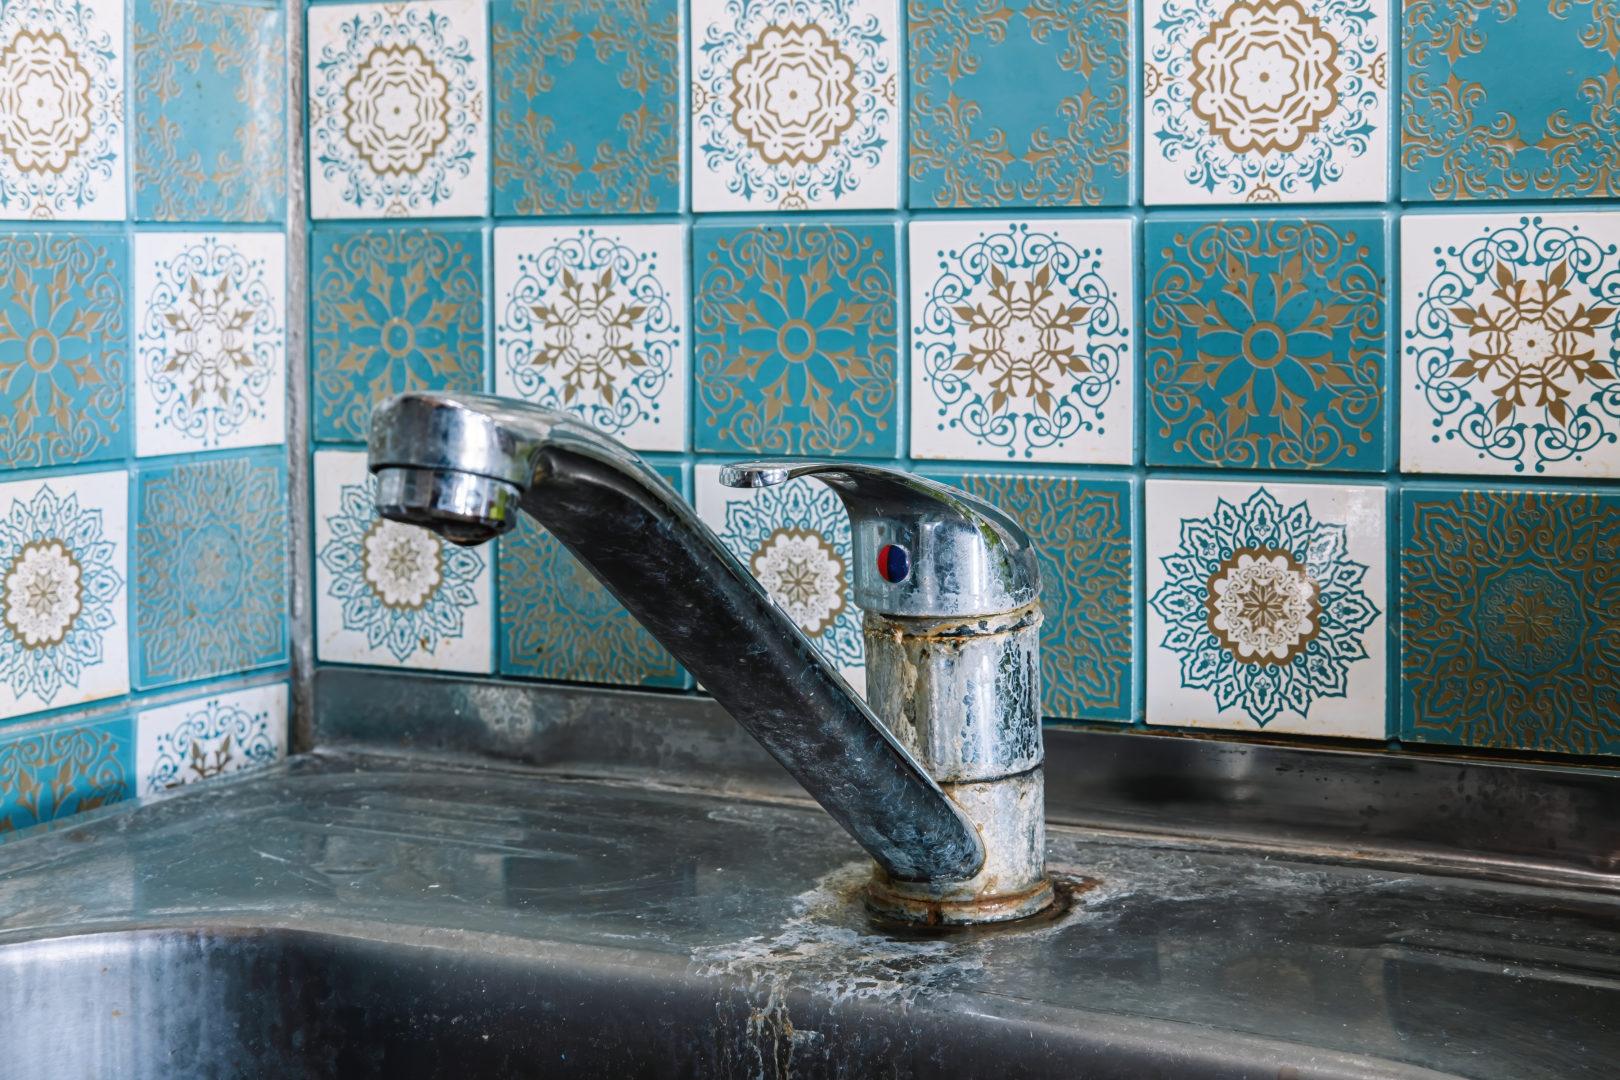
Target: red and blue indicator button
(894, 563)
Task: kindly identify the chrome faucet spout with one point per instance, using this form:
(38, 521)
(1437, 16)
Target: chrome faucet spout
(464, 465)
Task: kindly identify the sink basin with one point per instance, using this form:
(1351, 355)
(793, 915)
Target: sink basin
(356, 915)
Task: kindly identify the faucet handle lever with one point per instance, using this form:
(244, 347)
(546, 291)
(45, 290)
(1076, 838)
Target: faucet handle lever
(921, 548)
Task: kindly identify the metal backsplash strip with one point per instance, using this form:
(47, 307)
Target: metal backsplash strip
(1510, 820)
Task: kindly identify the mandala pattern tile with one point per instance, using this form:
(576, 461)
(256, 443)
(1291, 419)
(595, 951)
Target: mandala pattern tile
(210, 568)
(393, 594)
(210, 341)
(1266, 101)
(1022, 340)
(398, 110)
(794, 339)
(587, 116)
(1081, 526)
(1266, 607)
(796, 540)
(1510, 100)
(1510, 336)
(592, 320)
(1267, 343)
(50, 774)
(62, 348)
(795, 104)
(1510, 626)
(223, 733)
(393, 310)
(558, 622)
(64, 558)
(62, 109)
(209, 88)
(1025, 103)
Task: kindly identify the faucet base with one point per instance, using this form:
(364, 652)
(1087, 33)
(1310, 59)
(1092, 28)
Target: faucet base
(905, 902)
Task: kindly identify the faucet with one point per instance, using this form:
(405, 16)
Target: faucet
(937, 775)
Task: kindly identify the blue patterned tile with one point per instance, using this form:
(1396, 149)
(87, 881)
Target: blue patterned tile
(1510, 626)
(1019, 104)
(210, 568)
(209, 88)
(62, 123)
(795, 104)
(1023, 340)
(586, 107)
(794, 339)
(1266, 101)
(1265, 607)
(63, 348)
(558, 622)
(393, 594)
(393, 310)
(592, 320)
(218, 735)
(1081, 526)
(1507, 100)
(796, 539)
(50, 774)
(1510, 335)
(64, 560)
(1267, 343)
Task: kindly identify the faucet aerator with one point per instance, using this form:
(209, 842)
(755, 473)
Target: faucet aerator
(464, 508)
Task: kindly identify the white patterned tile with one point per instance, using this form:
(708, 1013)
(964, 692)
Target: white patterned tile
(1023, 340)
(1266, 607)
(64, 599)
(1266, 101)
(795, 104)
(1510, 336)
(62, 125)
(592, 320)
(796, 540)
(216, 735)
(399, 109)
(210, 341)
(393, 594)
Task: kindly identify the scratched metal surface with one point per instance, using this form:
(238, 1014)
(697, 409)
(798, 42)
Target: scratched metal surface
(357, 915)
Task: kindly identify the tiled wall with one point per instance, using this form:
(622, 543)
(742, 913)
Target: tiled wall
(1288, 326)
(143, 373)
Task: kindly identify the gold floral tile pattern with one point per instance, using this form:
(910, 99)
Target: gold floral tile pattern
(794, 104)
(1510, 628)
(62, 109)
(1266, 101)
(1510, 344)
(795, 338)
(204, 738)
(63, 770)
(398, 109)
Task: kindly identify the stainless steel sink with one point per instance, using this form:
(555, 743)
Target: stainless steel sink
(356, 914)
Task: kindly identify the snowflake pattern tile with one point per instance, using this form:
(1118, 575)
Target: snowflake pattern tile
(218, 735)
(796, 540)
(1022, 343)
(63, 348)
(64, 627)
(558, 622)
(795, 104)
(1266, 101)
(1267, 343)
(592, 321)
(1510, 626)
(62, 109)
(398, 109)
(1265, 607)
(210, 568)
(64, 770)
(210, 341)
(1509, 344)
(393, 594)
